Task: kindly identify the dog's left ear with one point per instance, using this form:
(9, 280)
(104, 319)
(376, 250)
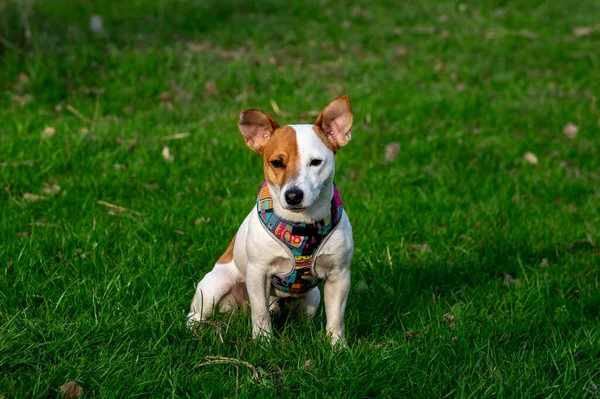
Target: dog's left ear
(335, 121)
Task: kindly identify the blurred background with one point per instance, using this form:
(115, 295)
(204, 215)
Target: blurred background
(472, 182)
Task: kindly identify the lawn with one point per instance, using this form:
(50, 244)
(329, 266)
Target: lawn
(472, 182)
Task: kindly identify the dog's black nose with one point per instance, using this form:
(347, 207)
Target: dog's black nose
(294, 196)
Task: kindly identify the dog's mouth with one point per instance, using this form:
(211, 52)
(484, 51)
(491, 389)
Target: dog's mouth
(297, 208)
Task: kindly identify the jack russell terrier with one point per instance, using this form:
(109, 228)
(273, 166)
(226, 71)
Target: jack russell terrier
(297, 235)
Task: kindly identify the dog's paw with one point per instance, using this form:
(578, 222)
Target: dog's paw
(338, 342)
(261, 335)
(193, 319)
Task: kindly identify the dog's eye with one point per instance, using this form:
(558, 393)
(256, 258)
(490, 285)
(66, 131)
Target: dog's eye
(316, 162)
(277, 164)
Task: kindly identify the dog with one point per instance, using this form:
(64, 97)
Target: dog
(296, 235)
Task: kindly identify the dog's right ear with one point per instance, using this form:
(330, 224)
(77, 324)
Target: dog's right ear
(257, 128)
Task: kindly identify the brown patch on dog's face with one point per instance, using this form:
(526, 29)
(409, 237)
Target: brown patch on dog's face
(228, 255)
(280, 157)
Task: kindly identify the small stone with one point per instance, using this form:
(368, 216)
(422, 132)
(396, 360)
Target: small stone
(96, 24)
(531, 158)
(48, 132)
(166, 154)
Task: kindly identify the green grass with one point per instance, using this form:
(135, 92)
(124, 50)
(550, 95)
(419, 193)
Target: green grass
(98, 296)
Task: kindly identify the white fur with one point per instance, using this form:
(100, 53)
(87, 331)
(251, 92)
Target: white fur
(257, 256)
(314, 181)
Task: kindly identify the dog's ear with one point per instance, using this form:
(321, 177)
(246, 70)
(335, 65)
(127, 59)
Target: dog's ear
(257, 128)
(335, 121)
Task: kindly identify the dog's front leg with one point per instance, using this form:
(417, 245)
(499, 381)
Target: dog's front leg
(258, 285)
(336, 294)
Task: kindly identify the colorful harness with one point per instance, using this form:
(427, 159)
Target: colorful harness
(303, 240)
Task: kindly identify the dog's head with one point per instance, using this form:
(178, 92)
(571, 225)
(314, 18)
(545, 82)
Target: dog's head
(298, 159)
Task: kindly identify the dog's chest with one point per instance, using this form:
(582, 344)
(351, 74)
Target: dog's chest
(263, 249)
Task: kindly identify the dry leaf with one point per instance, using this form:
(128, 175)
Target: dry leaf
(401, 51)
(43, 222)
(116, 208)
(362, 12)
(196, 47)
(166, 154)
(391, 151)
(570, 130)
(439, 66)
(240, 97)
(51, 189)
(531, 158)
(414, 334)
(23, 78)
(21, 100)
(510, 281)
(48, 132)
(449, 320)
(168, 105)
(164, 96)
(71, 390)
(422, 247)
(33, 197)
(346, 24)
(24, 234)
(211, 88)
(201, 220)
(454, 339)
(425, 30)
(177, 136)
(581, 31)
